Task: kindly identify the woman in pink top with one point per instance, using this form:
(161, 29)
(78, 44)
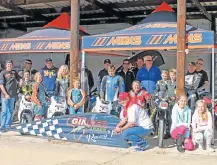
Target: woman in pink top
(202, 126)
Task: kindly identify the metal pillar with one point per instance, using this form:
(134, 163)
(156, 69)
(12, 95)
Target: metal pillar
(212, 82)
(181, 45)
(74, 41)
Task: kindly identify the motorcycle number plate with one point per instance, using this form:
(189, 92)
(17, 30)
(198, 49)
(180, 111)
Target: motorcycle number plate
(164, 104)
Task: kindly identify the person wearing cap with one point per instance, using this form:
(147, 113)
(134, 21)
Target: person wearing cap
(49, 75)
(103, 72)
(111, 86)
(135, 123)
(149, 75)
(192, 81)
(127, 75)
(8, 85)
(28, 67)
(204, 83)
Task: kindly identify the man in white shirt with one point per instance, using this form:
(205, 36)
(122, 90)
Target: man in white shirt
(135, 123)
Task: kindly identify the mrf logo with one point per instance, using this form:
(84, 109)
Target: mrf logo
(118, 40)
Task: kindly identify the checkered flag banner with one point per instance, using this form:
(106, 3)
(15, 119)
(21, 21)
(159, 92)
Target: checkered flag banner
(83, 128)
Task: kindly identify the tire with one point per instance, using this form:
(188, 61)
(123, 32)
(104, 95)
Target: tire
(25, 118)
(57, 114)
(161, 133)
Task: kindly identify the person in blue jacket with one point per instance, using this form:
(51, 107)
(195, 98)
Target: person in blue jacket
(49, 75)
(149, 75)
(111, 86)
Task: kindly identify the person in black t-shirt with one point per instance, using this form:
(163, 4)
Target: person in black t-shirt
(192, 79)
(204, 83)
(140, 64)
(127, 75)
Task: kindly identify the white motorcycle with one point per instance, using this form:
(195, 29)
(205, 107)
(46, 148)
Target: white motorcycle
(57, 107)
(25, 111)
(106, 107)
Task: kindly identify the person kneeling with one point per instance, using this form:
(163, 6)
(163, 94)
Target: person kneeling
(135, 123)
(181, 121)
(202, 126)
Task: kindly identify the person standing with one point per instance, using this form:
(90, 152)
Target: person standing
(103, 72)
(28, 67)
(140, 63)
(127, 75)
(38, 97)
(49, 75)
(62, 81)
(111, 86)
(9, 86)
(204, 82)
(149, 75)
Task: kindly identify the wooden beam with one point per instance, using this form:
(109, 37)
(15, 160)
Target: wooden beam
(202, 9)
(181, 45)
(74, 49)
(108, 9)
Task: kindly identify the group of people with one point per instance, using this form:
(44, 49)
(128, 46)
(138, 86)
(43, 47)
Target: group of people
(129, 88)
(188, 127)
(37, 87)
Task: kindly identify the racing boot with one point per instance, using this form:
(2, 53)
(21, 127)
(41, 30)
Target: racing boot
(180, 143)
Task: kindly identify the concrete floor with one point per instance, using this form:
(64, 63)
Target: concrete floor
(26, 150)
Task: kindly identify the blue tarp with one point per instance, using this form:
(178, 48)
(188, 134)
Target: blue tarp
(158, 31)
(45, 40)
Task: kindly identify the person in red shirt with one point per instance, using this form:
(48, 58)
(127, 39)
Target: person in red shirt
(139, 95)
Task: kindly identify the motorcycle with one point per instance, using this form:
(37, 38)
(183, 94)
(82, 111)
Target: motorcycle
(106, 107)
(57, 107)
(25, 111)
(161, 119)
(91, 99)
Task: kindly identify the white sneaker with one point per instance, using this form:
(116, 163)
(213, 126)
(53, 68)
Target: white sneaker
(210, 149)
(200, 147)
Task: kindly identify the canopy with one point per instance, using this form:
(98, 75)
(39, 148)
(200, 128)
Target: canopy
(54, 37)
(157, 32)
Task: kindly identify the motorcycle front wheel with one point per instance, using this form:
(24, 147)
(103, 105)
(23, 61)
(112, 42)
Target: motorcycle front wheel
(161, 133)
(25, 118)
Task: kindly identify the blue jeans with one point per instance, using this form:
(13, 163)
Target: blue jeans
(136, 135)
(7, 111)
(72, 110)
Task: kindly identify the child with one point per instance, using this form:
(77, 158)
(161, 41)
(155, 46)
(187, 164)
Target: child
(161, 86)
(171, 85)
(202, 126)
(181, 121)
(76, 97)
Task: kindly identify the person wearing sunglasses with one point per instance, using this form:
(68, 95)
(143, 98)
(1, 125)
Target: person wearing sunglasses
(204, 82)
(127, 75)
(28, 67)
(149, 75)
(135, 123)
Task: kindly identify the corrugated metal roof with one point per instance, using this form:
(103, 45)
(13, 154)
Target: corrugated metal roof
(103, 11)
